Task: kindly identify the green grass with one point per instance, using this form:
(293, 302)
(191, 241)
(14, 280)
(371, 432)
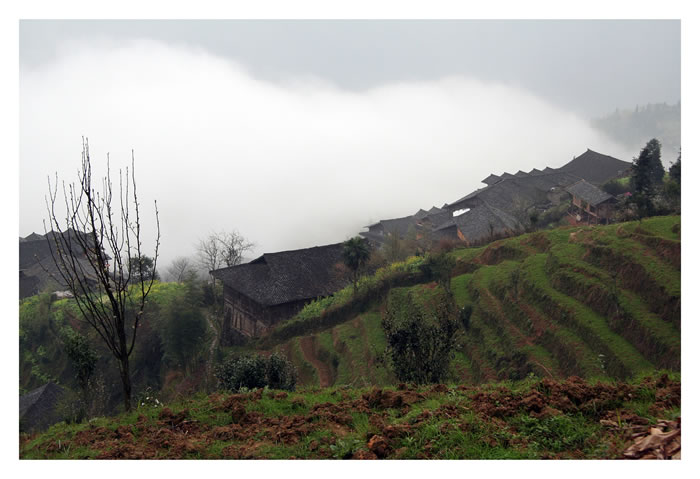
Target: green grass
(658, 226)
(592, 328)
(440, 425)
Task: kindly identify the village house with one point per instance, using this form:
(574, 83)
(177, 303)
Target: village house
(590, 203)
(417, 226)
(276, 286)
(37, 268)
(480, 223)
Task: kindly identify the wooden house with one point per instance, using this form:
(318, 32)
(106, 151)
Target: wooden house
(479, 224)
(276, 286)
(590, 203)
(37, 269)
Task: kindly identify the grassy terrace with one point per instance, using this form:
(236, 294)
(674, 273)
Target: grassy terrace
(542, 303)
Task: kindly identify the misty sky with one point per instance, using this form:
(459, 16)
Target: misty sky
(299, 133)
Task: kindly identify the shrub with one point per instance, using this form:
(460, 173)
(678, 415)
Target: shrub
(83, 357)
(254, 371)
(281, 373)
(420, 334)
(438, 267)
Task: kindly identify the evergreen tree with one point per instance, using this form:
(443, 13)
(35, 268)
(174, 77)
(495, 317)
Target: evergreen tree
(675, 170)
(355, 255)
(647, 175)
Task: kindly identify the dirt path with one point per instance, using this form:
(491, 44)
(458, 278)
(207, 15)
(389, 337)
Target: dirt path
(324, 372)
(212, 346)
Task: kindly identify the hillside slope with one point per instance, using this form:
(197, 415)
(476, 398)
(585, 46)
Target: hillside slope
(524, 420)
(596, 302)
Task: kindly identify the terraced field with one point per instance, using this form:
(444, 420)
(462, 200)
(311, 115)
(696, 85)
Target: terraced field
(348, 354)
(596, 302)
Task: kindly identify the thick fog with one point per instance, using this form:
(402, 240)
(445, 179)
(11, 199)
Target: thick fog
(288, 164)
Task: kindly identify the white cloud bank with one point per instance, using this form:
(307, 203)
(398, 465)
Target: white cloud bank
(288, 165)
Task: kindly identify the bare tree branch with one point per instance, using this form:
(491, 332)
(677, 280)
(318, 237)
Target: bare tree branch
(83, 245)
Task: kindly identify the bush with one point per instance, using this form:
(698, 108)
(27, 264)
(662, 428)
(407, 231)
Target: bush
(255, 371)
(420, 333)
(83, 357)
(281, 373)
(438, 267)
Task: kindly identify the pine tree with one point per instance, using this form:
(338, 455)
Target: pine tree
(647, 175)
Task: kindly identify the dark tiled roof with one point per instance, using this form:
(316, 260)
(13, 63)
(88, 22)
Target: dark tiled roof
(37, 408)
(438, 218)
(375, 238)
(535, 171)
(481, 221)
(287, 276)
(513, 194)
(420, 214)
(589, 193)
(520, 174)
(471, 195)
(33, 237)
(35, 260)
(398, 226)
(491, 179)
(595, 167)
(434, 210)
(549, 170)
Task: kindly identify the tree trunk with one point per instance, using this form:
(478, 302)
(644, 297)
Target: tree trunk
(126, 382)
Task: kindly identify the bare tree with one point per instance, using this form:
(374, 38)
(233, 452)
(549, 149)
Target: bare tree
(180, 269)
(209, 254)
(223, 249)
(216, 251)
(233, 246)
(99, 229)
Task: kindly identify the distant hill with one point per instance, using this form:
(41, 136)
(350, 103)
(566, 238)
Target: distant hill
(633, 128)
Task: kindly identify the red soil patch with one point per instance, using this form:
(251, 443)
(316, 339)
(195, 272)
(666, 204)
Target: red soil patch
(573, 395)
(386, 398)
(178, 435)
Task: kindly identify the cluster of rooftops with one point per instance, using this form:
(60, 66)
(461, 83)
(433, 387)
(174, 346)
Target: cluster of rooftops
(500, 206)
(298, 275)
